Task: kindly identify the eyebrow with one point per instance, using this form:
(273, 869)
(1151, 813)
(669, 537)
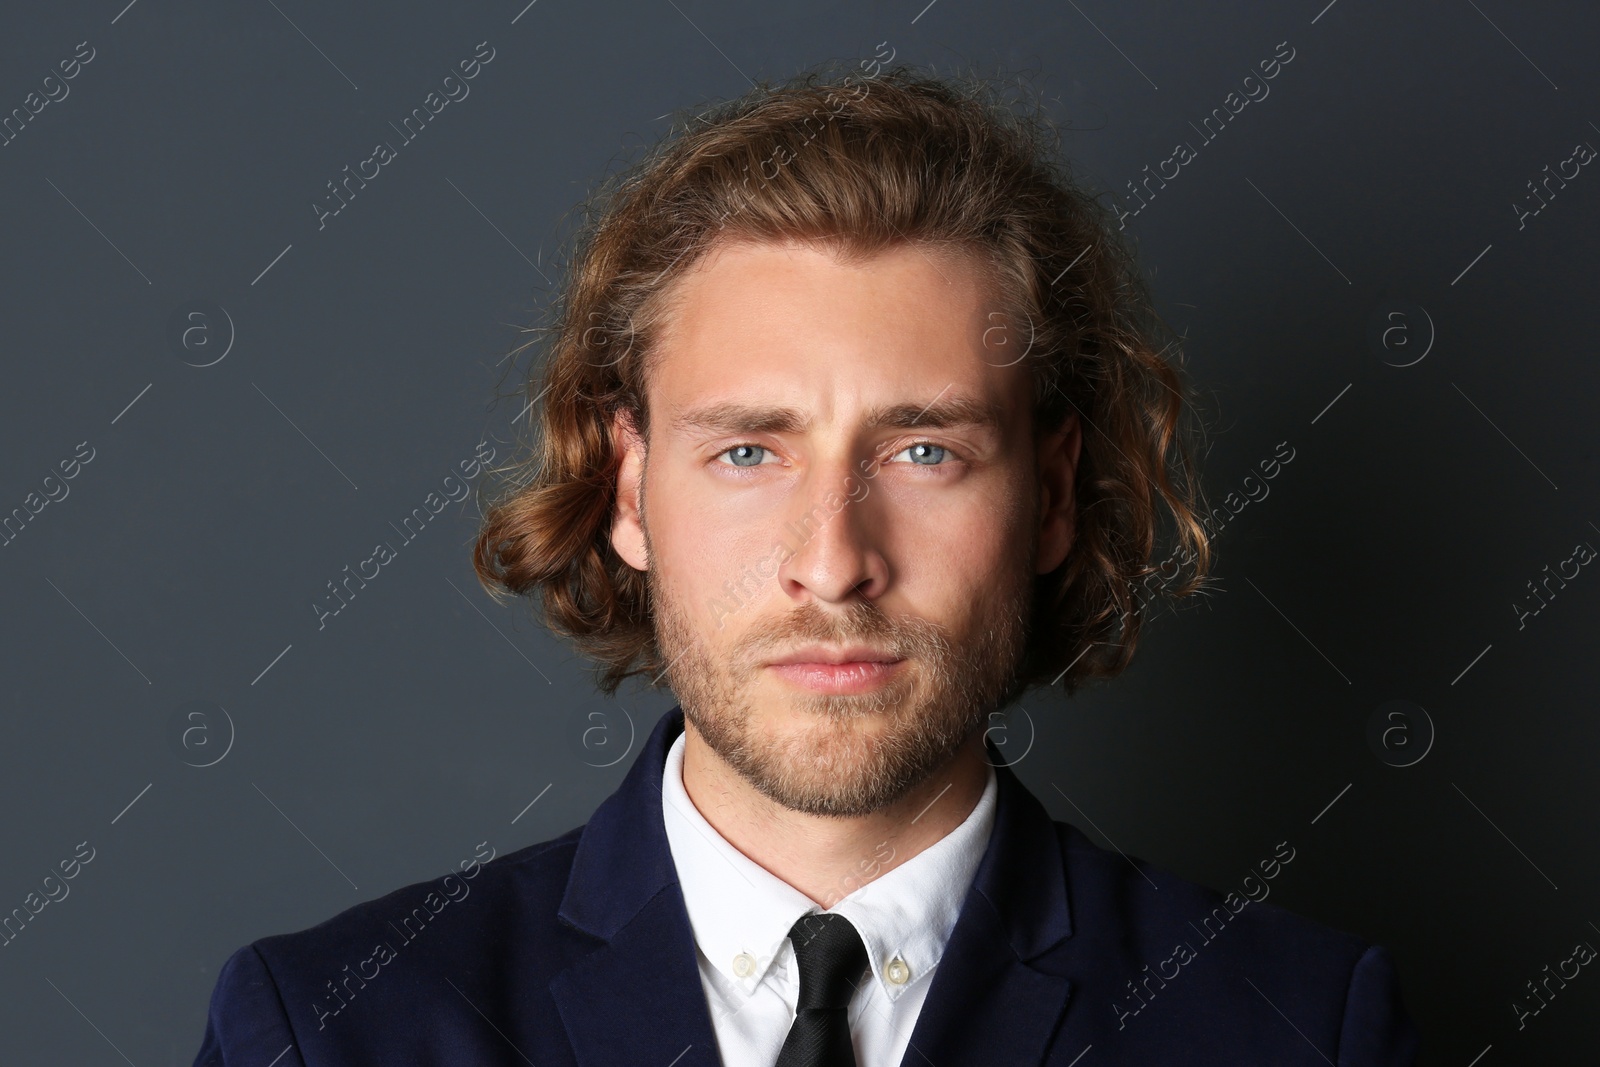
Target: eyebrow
(943, 413)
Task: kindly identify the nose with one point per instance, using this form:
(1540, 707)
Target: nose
(836, 533)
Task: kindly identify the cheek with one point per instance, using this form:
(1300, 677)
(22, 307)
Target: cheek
(953, 550)
(702, 546)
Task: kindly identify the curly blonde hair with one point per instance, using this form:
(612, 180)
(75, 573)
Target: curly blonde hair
(860, 164)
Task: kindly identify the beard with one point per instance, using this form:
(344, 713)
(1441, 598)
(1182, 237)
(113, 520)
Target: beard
(862, 751)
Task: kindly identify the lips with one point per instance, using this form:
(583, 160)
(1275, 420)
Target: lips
(842, 676)
(821, 655)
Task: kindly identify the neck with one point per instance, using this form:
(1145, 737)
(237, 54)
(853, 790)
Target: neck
(829, 857)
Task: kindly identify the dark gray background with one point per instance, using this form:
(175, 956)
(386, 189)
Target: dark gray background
(366, 362)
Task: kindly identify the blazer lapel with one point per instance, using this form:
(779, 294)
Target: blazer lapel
(996, 998)
(638, 997)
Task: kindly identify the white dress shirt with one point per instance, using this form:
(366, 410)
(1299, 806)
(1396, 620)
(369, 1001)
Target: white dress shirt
(741, 915)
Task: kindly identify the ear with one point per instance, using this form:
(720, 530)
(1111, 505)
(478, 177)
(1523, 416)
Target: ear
(1057, 464)
(627, 524)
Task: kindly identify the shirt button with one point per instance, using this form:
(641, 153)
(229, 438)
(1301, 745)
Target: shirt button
(744, 964)
(897, 972)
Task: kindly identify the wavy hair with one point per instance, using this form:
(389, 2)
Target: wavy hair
(859, 164)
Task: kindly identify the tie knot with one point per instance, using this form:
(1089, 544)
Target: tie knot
(831, 958)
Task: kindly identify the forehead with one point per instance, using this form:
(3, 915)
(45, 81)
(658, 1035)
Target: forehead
(793, 325)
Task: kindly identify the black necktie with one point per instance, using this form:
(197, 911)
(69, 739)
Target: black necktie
(832, 960)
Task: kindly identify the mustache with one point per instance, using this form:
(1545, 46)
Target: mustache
(910, 638)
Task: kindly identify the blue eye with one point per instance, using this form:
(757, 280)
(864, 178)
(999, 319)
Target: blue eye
(752, 453)
(923, 454)
(927, 454)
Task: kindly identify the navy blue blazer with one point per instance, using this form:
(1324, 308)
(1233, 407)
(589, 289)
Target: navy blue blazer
(579, 951)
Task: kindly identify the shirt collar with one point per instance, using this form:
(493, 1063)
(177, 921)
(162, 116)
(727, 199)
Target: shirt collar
(741, 913)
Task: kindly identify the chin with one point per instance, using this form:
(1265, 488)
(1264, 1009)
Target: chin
(831, 743)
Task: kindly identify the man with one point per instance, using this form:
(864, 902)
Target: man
(853, 429)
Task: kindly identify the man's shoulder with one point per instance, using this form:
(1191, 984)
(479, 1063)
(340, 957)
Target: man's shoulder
(1200, 961)
(398, 978)
(494, 916)
(483, 900)
(1145, 905)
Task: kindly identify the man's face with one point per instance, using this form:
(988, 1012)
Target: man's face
(840, 468)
